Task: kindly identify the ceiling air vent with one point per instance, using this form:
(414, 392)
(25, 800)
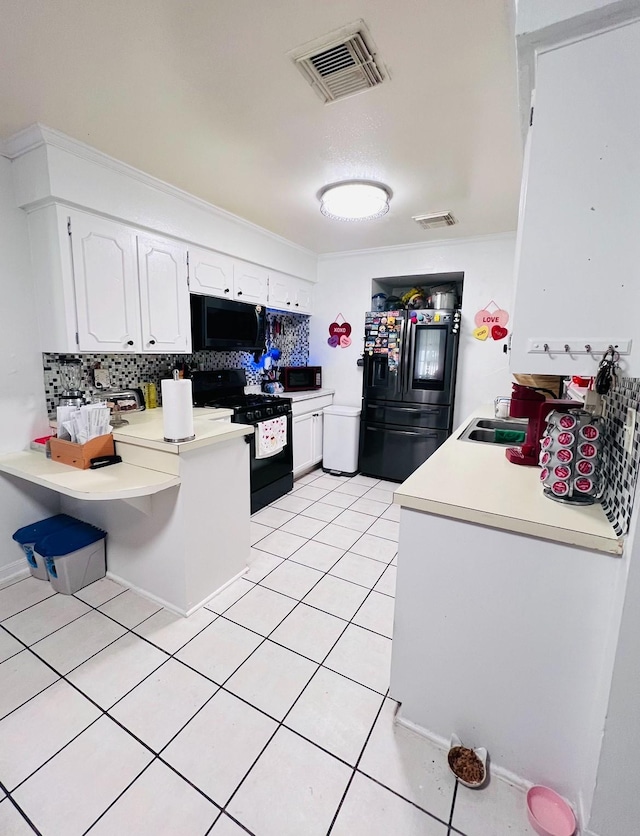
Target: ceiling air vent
(341, 64)
(434, 220)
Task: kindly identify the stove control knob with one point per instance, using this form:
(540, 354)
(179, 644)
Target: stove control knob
(269, 411)
(281, 409)
(250, 416)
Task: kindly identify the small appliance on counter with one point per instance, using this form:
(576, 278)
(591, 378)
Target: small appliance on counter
(71, 379)
(570, 457)
(301, 378)
(527, 402)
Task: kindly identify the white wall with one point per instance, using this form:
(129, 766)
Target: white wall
(578, 232)
(22, 406)
(616, 803)
(345, 287)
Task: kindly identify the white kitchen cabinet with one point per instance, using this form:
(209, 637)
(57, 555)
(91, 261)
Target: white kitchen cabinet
(288, 293)
(578, 246)
(210, 273)
(105, 277)
(250, 283)
(307, 429)
(164, 296)
(98, 291)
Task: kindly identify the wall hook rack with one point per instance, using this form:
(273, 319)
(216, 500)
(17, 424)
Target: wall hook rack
(578, 346)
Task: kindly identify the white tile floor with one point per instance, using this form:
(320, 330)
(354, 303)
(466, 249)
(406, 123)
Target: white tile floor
(265, 712)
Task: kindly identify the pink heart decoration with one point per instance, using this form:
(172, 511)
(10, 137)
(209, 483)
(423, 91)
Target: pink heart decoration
(345, 341)
(485, 317)
(339, 330)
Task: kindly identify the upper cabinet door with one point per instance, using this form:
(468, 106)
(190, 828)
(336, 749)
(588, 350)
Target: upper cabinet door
(302, 301)
(106, 284)
(280, 291)
(164, 296)
(250, 283)
(210, 273)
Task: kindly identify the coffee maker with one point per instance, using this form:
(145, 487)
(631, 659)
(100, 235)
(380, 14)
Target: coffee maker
(71, 380)
(529, 402)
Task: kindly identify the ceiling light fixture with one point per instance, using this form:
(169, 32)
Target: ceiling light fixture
(354, 200)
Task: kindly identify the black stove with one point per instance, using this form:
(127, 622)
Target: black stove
(271, 477)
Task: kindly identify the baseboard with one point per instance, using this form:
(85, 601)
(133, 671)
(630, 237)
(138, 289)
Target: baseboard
(13, 572)
(166, 604)
(498, 772)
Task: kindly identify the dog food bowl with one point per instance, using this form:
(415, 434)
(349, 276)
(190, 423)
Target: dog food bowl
(549, 814)
(481, 754)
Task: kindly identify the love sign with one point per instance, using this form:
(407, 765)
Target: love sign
(339, 333)
(491, 321)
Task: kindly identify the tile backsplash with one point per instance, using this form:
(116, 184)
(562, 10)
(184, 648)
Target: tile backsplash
(130, 370)
(619, 467)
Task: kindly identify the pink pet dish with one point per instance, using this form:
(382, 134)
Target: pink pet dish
(549, 814)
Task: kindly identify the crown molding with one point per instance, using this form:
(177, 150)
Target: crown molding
(442, 242)
(37, 134)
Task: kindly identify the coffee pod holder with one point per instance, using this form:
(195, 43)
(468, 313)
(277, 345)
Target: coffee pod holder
(555, 431)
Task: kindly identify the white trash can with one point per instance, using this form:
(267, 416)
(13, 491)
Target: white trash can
(340, 438)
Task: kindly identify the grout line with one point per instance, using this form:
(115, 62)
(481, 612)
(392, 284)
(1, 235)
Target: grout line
(104, 712)
(10, 800)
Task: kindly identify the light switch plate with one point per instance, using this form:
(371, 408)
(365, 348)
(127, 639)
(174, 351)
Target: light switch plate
(629, 429)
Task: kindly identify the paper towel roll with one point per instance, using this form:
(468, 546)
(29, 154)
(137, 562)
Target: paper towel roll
(177, 410)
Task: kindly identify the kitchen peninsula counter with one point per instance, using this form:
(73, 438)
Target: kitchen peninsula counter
(177, 515)
(474, 482)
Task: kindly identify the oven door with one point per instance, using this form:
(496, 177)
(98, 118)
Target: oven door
(266, 471)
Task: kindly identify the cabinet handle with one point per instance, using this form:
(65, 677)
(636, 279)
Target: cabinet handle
(288, 303)
(152, 342)
(297, 305)
(129, 342)
(226, 290)
(239, 293)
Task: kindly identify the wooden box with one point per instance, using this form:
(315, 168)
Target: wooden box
(80, 455)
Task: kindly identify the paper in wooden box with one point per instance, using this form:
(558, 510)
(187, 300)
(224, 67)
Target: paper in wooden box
(80, 455)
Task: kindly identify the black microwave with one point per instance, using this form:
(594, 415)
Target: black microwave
(225, 325)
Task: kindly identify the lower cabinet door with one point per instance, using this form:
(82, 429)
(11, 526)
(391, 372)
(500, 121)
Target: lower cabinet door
(303, 438)
(318, 420)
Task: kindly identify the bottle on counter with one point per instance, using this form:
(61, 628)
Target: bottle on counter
(150, 392)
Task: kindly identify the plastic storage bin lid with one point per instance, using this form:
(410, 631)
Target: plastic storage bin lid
(69, 540)
(37, 531)
(348, 411)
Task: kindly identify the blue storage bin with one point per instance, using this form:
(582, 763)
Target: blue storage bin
(29, 535)
(74, 557)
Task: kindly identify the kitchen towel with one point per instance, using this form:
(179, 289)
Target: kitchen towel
(177, 410)
(271, 437)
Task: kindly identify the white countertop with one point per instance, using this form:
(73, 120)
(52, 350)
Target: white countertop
(306, 394)
(118, 481)
(145, 429)
(475, 483)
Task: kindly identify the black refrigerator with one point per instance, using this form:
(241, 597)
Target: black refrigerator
(409, 381)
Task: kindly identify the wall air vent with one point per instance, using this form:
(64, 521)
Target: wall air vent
(341, 64)
(434, 220)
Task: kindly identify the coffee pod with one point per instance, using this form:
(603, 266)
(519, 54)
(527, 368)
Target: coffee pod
(567, 421)
(564, 455)
(561, 471)
(545, 458)
(544, 474)
(583, 484)
(565, 438)
(560, 487)
(585, 467)
(589, 432)
(588, 450)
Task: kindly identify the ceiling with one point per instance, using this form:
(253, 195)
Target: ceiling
(203, 95)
